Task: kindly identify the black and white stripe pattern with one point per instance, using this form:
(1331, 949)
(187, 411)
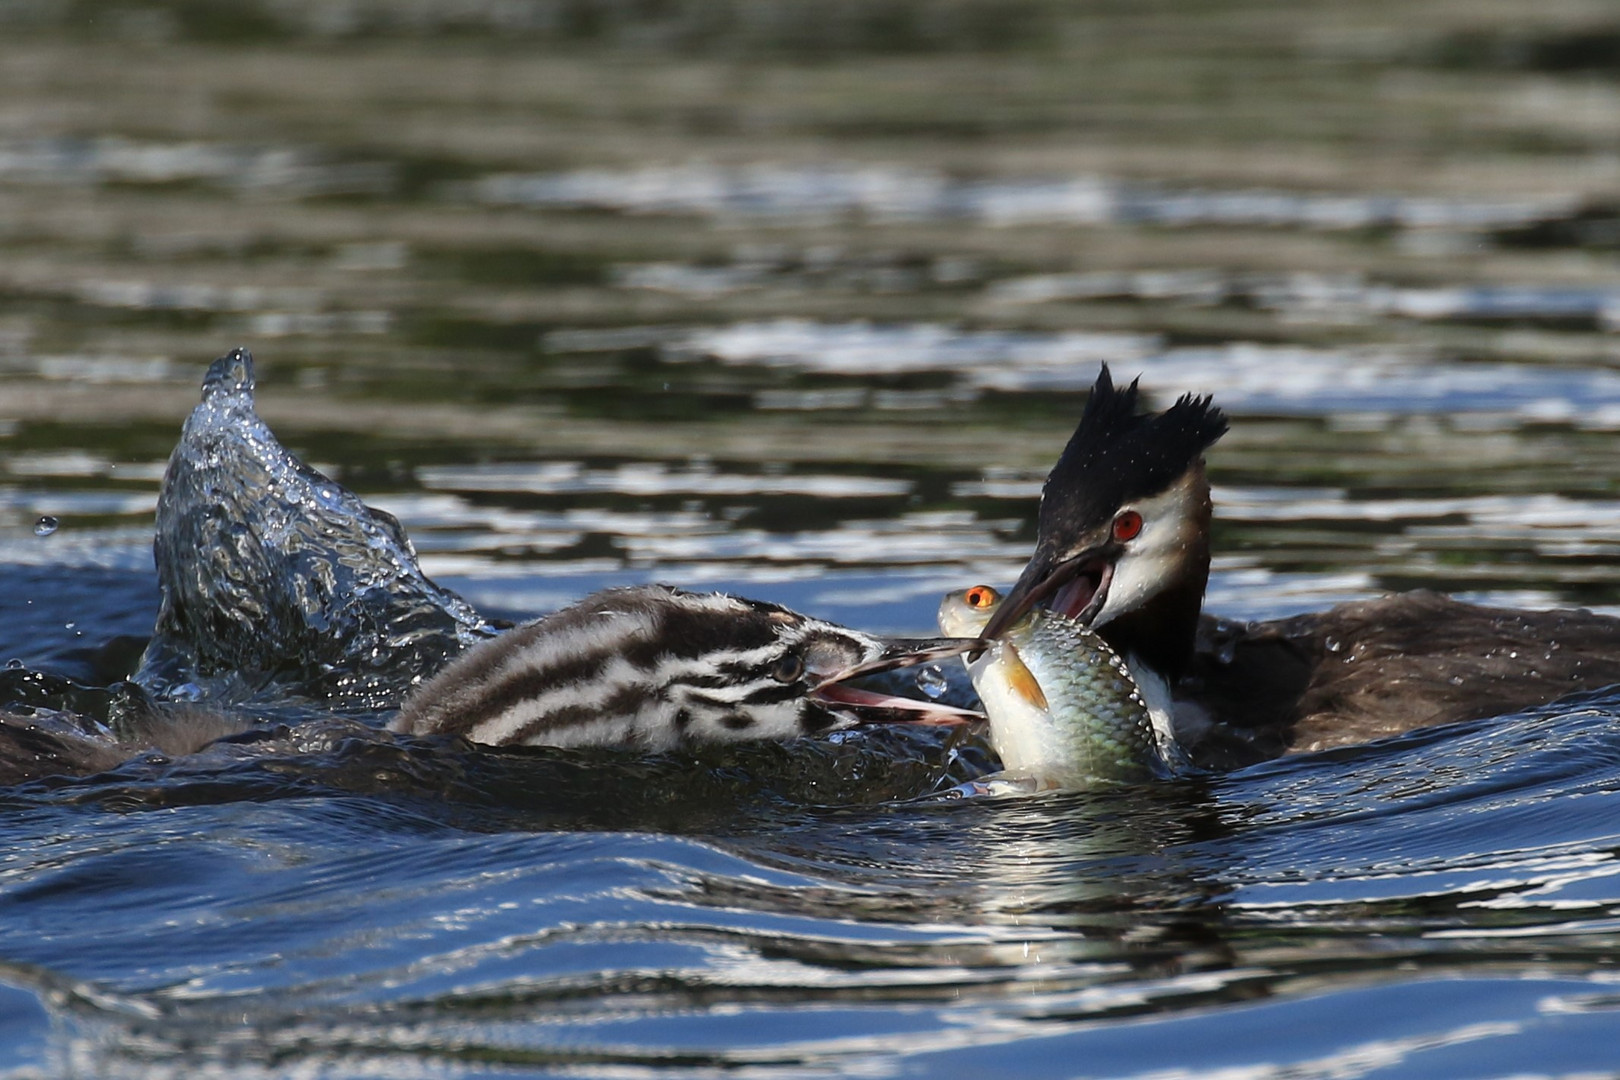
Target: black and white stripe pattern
(647, 666)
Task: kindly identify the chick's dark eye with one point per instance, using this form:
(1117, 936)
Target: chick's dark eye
(788, 668)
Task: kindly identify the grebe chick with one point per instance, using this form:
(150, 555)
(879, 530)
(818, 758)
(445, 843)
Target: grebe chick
(653, 667)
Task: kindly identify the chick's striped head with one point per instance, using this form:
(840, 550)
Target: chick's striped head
(646, 666)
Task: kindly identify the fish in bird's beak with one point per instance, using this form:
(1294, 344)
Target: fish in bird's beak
(834, 691)
(1075, 585)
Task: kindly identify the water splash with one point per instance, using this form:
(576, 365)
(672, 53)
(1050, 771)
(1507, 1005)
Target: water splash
(278, 581)
(932, 681)
(46, 525)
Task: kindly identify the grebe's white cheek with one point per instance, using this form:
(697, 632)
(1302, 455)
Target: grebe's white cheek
(1157, 556)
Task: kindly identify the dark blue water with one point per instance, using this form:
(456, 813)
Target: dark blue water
(317, 897)
(800, 301)
(1439, 904)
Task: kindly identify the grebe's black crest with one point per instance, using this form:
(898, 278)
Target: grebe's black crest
(1116, 454)
(1122, 536)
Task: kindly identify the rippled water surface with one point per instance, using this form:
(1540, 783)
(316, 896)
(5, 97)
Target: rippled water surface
(801, 301)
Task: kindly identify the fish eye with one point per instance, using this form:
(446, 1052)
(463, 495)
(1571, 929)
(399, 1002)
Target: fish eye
(788, 668)
(981, 596)
(1127, 524)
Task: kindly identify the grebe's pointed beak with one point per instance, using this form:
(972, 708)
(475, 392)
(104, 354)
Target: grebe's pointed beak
(905, 652)
(1075, 585)
(898, 653)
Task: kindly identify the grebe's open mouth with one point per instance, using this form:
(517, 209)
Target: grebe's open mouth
(868, 706)
(1076, 587)
(1083, 595)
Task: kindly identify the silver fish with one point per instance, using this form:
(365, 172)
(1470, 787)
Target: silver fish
(1063, 708)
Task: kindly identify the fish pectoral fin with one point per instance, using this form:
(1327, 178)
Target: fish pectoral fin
(1021, 681)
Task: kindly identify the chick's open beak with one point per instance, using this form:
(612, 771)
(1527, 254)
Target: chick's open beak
(834, 691)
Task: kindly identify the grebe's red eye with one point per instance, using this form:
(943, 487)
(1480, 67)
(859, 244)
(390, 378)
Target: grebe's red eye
(1127, 523)
(981, 596)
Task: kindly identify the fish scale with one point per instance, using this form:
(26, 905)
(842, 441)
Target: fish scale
(1063, 707)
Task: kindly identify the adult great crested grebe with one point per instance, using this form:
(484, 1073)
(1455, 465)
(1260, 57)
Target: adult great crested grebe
(1123, 545)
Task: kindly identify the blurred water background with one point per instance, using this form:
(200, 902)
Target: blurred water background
(800, 300)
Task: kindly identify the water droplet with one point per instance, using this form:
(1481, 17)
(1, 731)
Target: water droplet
(1455, 680)
(1226, 652)
(46, 525)
(1333, 644)
(188, 691)
(14, 664)
(69, 626)
(931, 680)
